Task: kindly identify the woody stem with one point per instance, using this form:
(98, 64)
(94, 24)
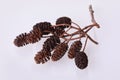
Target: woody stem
(92, 16)
(85, 44)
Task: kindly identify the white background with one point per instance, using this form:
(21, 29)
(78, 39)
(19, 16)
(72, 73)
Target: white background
(18, 16)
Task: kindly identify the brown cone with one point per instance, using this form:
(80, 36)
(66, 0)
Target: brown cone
(59, 51)
(75, 47)
(26, 38)
(81, 60)
(51, 43)
(42, 56)
(45, 27)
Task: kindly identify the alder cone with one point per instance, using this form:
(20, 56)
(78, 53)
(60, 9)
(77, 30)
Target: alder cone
(59, 51)
(26, 38)
(45, 54)
(21, 40)
(59, 30)
(75, 47)
(34, 35)
(51, 42)
(63, 20)
(81, 60)
(45, 27)
(42, 56)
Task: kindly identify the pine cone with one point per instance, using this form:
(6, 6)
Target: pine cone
(59, 51)
(42, 56)
(51, 42)
(81, 60)
(45, 27)
(75, 47)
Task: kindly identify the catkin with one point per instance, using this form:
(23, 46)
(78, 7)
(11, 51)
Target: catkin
(59, 51)
(81, 60)
(75, 47)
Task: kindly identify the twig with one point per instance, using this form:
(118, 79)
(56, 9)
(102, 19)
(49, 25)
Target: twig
(85, 44)
(92, 39)
(92, 16)
(80, 31)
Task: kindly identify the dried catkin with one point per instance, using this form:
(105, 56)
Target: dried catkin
(59, 51)
(59, 30)
(45, 54)
(51, 42)
(26, 38)
(75, 47)
(21, 40)
(45, 27)
(81, 60)
(63, 20)
(42, 56)
(34, 35)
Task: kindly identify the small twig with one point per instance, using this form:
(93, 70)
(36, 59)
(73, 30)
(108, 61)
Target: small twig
(65, 25)
(65, 31)
(88, 29)
(75, 38)
(69, 39)
(85, 44)
(74, 28)
(92, 16)
(80, 37)
(76, 25)
(60, 25)
(92, 39)
(92, 25)
(85, 34)
(81, 31)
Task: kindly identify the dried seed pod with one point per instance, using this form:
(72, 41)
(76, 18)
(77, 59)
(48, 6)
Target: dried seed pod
(26, 38)
(34, 35)
(58, 31)
(45, 27)
(42, 56)
(59, 51)
(63, 20)
(21, 40)
(75, 47)
(51, 42)
(81, 60)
